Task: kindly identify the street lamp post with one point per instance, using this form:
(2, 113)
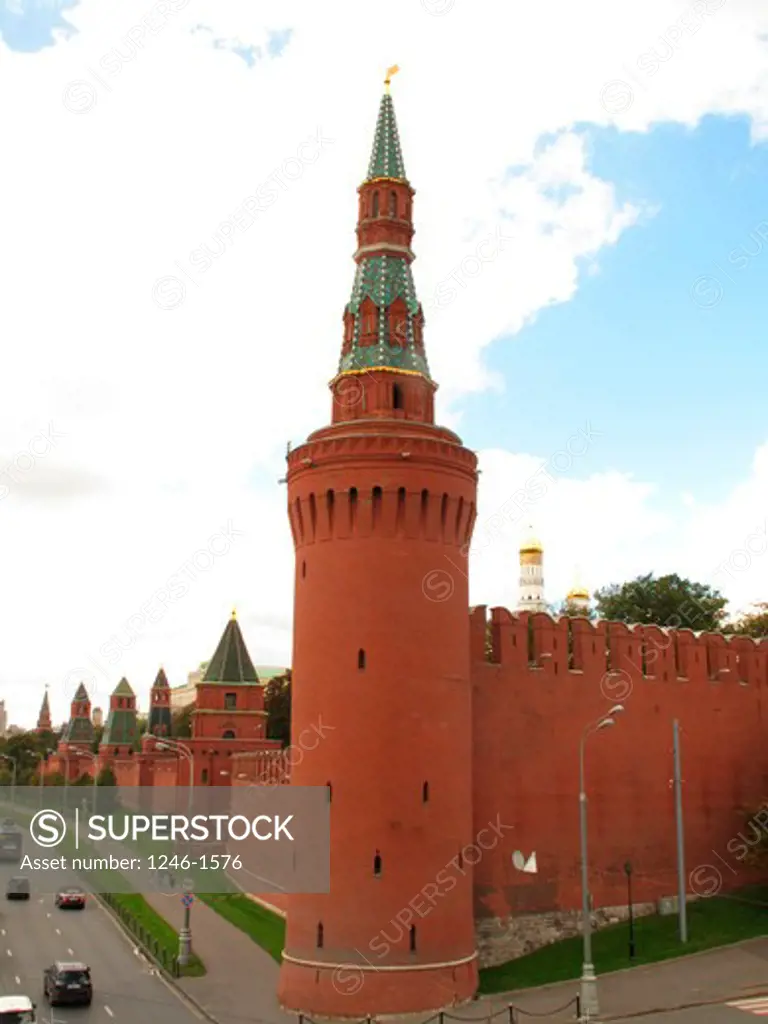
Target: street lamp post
(14, 766)
(588, 986)
(628, 872)
(185, 934)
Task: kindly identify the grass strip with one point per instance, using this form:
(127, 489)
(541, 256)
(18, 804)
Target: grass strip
(719, 921)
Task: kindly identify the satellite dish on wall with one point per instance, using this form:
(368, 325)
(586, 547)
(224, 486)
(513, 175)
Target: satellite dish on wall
(528, 866)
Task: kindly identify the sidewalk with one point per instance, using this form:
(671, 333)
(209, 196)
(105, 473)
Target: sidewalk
(712, 977)
(241, 982)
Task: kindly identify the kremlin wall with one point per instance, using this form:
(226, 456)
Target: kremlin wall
(451, 747)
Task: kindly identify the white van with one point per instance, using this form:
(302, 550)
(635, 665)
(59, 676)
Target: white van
(17, 1010)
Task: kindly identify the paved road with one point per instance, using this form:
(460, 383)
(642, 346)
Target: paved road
(34, 933)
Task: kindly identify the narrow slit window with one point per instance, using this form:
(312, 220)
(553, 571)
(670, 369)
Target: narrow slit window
(361, 659)
(377, 864)
(412, 938)
(329, 787)
(397, 396)
(425, 793)
(393, 204)
(320, 935)
(375, 204)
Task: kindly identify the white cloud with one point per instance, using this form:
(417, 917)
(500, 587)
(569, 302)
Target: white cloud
(167, 415)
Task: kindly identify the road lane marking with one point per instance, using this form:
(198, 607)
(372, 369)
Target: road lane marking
(71, 952)
(107, 1010)
(758, 1007)
(58, 931)
(17, 979)
(9, 952)
(2, 931)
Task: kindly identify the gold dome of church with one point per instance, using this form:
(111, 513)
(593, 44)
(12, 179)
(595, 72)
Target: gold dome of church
(578, 594)
(531, 545)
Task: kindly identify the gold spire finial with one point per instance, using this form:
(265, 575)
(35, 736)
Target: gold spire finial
(234, 614)
(390, 71)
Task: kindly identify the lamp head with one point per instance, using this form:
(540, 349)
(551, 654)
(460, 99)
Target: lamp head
(605, 723)
(616, 709)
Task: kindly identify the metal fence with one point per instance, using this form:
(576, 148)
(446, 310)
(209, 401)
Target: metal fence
(512, 1014)
(155, 950)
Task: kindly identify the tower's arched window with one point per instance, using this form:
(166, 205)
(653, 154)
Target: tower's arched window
(320, 935)
(397, 396)
(361, 658)
(393, 204)
(413, 938)
(228, 735)
(377, 864)
(375, 210)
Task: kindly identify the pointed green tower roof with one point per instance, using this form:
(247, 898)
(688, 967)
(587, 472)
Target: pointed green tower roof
(46, 704)
(123, 689)
(81, 695)
(384, 319)
(386, 156)
(231, 663)
(161, 681)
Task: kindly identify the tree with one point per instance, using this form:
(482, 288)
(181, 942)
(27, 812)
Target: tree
(277, 704)
(181, 722)
(573, 611)
(106, 784)
(98, 732)
(754, 624)
(667, 601)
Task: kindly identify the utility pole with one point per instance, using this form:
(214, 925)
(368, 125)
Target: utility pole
(681, 886)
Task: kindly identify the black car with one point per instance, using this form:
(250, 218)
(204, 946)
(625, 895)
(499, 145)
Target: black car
(17, 889)
(68, 983)
(70, 899)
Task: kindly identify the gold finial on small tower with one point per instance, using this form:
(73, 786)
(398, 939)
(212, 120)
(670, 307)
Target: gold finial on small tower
(234, 614)
(390, 71)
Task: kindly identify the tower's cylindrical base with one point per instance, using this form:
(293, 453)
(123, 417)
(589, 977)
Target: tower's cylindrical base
(347, 990)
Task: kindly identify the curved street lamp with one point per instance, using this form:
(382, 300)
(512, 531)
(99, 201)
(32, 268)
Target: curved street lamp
(588, 985)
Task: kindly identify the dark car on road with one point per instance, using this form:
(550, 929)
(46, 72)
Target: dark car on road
(71, 899)
(68, 984)
(17, 889)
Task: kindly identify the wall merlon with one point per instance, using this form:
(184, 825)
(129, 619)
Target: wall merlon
(547, 647)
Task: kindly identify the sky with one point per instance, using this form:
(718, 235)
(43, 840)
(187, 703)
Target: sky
(178, 206)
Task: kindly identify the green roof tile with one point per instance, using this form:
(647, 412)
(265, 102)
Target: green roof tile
(78, 730)
(161, 681)
(386, 157)
(231, 663)
(121, 729)
(123, 689)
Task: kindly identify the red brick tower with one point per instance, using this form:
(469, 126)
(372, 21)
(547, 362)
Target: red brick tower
(160, 722)
(381, 506)
(44, 718)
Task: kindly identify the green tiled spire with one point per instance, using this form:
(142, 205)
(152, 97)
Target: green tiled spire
(384, 278)
(386, 156)
(123, 689)
(231, 663)
(161, 681)
(121, 729)
(79, 728)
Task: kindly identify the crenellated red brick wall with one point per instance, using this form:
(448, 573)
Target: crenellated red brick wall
(545, 682)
